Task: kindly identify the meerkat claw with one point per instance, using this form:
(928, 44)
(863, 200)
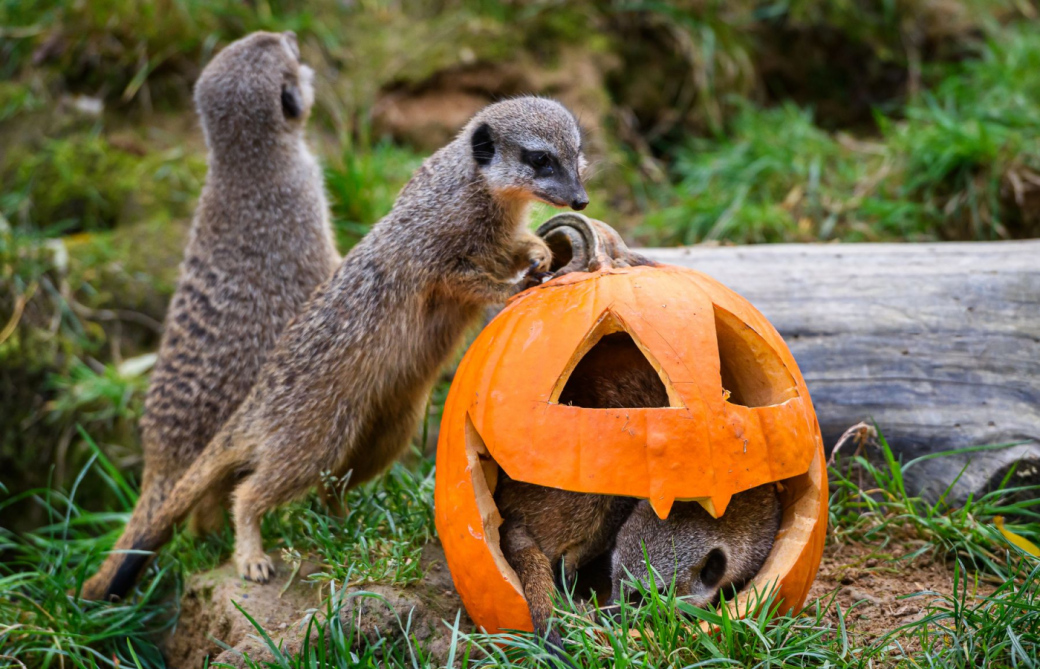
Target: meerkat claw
(258, 569)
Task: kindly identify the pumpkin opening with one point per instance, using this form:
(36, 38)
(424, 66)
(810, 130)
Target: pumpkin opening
(752, 373)
(609, 352)
(614, 360)
(484, 472)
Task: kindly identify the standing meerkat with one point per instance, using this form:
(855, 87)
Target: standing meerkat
(345, 385)
(260, 243)
(703, 555)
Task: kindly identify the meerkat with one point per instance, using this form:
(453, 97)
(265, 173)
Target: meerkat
(547, 534)
(344, 387)
(260, 243)
(704, 556)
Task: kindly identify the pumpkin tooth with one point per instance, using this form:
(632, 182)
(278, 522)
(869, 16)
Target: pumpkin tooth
(662, 506)
(715, 505)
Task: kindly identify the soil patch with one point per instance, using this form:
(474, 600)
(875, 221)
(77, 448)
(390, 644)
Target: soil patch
(879, 589)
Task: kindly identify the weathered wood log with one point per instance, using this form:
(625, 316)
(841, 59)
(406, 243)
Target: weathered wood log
(937, 343)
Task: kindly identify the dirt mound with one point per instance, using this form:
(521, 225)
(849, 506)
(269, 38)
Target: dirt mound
(209, 615)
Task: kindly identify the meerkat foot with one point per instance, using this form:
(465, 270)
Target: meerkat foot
(257, 568)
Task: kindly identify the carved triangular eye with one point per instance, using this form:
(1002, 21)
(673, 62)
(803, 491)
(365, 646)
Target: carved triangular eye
(753, 375)
(611, 371)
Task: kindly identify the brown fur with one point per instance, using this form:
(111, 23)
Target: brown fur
(343, 389)
(545, 528)
(703, 555)
(260, 243)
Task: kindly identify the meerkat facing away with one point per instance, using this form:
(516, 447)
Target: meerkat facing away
(344, 387)
(260, 243)
(547, 534)
(703, 555)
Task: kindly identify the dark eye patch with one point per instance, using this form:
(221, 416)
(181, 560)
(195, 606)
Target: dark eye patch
(714, 568)
(543, 162)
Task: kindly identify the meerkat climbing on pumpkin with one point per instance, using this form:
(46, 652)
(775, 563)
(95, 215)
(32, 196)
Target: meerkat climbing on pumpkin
(344, 387)
(260, 243)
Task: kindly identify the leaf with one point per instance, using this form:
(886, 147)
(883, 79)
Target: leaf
(1016, 539)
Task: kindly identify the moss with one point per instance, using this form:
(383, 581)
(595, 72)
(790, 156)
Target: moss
(84, 182)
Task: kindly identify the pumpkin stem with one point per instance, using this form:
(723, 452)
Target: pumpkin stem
(582, 244)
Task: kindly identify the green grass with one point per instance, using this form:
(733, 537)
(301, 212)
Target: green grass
(391, 519)
(870, 504)
(40, 624)
(82, 182)
(957, 630)
(363, 183)
(944, 170)
(702, 143)
(999, 630)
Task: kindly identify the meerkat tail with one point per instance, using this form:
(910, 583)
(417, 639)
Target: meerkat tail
(147, 531)
(154, 491)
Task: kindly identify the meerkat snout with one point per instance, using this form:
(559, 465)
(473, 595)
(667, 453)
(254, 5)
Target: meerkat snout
(534, 153)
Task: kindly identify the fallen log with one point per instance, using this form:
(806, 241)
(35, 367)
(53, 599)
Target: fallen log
(937, 343)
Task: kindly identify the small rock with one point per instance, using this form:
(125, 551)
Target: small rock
(861, 595)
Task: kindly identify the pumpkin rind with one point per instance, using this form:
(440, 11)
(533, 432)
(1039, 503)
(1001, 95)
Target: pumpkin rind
(702, 447)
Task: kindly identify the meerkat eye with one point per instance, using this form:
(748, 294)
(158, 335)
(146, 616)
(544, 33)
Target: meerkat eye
(541, 161)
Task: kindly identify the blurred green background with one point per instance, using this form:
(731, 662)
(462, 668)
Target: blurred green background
(743, 121)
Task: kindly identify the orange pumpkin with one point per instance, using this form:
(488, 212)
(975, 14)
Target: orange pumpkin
(739, 416)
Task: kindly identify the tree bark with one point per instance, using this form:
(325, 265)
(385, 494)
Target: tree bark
(939, 344)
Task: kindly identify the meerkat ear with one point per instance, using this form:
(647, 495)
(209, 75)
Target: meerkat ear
(483, 144)
(292, 101)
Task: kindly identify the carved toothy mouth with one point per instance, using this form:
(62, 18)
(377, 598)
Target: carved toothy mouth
(799, 498)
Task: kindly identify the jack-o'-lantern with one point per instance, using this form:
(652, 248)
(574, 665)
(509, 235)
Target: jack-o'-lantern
(738, 416)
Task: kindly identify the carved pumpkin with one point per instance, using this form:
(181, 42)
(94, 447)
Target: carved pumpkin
(739, 416)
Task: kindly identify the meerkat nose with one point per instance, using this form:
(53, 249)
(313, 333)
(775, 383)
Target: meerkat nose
(580, 203)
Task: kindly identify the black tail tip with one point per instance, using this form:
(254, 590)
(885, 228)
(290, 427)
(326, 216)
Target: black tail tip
(126, 576)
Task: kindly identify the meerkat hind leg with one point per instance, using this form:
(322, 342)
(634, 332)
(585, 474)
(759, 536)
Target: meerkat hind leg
(249, 506)
(207, 517)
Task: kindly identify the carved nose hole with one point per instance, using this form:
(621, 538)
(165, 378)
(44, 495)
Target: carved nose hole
(615, 374)
(753, 375)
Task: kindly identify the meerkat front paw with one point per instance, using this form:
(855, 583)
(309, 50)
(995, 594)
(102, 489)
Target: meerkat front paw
(256, 568)
(533, 254)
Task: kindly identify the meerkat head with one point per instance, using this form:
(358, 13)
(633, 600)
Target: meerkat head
(677, 549)
(530, 149)
(253, 90)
